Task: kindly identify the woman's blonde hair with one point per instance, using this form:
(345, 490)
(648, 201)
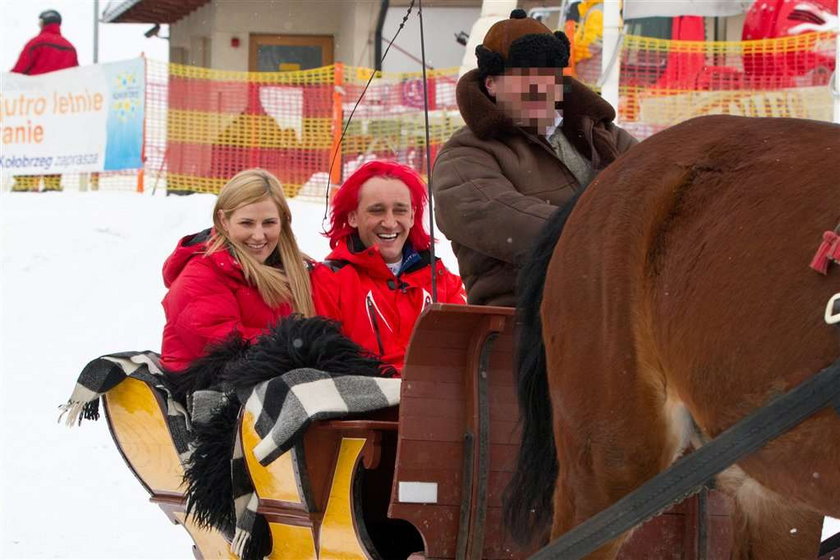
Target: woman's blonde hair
(289, 283)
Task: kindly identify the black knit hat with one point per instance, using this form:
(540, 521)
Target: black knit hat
(521, 42)
(50, 16)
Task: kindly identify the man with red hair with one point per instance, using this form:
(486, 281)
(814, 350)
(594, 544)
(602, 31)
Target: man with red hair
(378, 277)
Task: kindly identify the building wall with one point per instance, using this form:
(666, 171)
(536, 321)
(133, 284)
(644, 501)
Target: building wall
(440, 25)
(190, 39)
(203, 38)
(357, 33)
(240, 18)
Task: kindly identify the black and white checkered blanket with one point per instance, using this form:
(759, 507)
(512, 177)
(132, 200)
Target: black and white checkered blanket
(283, 406)
(286, 405)
(106, 372)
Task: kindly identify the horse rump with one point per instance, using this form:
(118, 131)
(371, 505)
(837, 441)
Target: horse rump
(677, 300)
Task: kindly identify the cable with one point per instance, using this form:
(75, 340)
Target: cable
(428, 154)
(350, 117)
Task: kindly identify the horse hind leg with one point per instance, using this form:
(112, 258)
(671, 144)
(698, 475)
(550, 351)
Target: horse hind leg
(766, 525)
(615, 427)
(783, 490)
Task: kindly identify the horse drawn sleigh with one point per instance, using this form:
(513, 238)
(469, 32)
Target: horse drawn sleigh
(678, 301)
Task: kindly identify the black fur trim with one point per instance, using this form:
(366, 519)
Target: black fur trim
(518, 13)
(297, 342)
(259, 545)
(208, 370)
(539, 50)
(565, 40)
(527, 500)
(489, 63)
(535, 50)
(209, 486)
(90, 411)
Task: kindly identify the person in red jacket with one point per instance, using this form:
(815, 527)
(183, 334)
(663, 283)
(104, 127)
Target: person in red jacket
(243, 275)
(46, 52)
(378, 277)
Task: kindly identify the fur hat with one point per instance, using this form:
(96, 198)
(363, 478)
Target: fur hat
(521, 42)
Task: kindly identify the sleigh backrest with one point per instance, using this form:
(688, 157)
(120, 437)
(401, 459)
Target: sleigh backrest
(458, 431)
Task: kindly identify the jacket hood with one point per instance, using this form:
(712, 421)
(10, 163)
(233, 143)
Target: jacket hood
(351, 250)
(187, 248)
(486, 120)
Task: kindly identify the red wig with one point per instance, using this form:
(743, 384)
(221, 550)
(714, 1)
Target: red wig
(347, 199)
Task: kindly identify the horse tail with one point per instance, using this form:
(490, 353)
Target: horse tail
(528, 506)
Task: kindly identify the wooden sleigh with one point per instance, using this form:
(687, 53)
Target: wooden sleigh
(427, 478)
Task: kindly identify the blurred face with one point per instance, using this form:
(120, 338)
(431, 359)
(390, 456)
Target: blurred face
(384, 216)
(255, 227)
(528, 95)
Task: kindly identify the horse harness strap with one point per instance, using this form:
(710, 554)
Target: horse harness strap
(687, 475)
(832, 310)
(828, 252)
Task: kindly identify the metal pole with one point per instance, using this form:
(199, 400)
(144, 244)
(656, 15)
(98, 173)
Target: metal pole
(95, 31)
(377, 37)
(611, 51)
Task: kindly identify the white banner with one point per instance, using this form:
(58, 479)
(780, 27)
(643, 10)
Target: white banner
(671, 8)
(88, 118)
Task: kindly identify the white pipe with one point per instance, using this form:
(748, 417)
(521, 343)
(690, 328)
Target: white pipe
(95, 31)
(491, 12)
(610, 63)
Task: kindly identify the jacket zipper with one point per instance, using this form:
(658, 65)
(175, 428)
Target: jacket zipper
(375, 323)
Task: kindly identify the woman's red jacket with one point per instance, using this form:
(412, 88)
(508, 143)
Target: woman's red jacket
(208, 299)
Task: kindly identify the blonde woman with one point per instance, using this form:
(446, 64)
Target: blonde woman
(243, 275)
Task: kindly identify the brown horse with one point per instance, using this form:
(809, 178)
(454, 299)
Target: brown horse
(678, 299)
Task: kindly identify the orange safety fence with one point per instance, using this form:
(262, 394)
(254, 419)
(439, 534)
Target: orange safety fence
(664, 82)
(389, 122)
(202, 125)
(222, 122)
(218, 123)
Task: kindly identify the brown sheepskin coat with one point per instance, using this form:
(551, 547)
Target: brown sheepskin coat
(495, 184)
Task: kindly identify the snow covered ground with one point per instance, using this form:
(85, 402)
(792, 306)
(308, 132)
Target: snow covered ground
(80, 277)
